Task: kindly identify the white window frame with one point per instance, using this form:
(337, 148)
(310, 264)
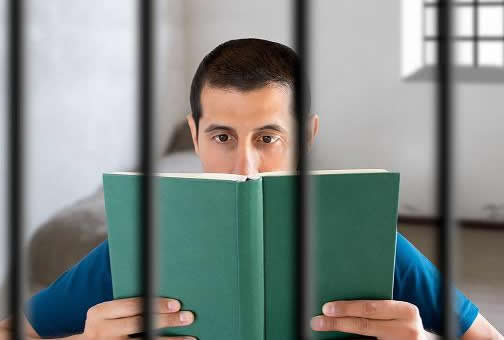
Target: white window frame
(413, 64)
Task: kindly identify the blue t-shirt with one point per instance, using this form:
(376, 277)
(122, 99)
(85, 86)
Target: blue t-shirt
(60, 309)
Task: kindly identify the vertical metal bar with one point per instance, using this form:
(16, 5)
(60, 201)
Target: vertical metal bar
(145, 96)
(476, 33)
(445, 163)
(301, 25)
(424, 32)
(15, 161)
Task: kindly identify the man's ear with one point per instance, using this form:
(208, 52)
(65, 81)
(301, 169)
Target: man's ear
(312, 126)
(194, 133)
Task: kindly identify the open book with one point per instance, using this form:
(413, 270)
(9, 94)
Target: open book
(227, 245)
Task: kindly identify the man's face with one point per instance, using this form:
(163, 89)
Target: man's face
(247, 132)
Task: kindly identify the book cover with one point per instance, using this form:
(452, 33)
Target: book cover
(226, 246)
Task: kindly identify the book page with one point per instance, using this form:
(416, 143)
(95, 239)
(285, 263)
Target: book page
(202, 175)
(323, 172)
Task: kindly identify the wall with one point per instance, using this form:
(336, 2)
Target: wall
(81, 98)
(381, 121)
(209, 23)
(370, 118)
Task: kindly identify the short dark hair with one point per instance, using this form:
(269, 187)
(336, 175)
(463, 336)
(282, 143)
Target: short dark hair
(244, 65)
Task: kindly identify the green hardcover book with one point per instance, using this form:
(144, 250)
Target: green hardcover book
(226, 246)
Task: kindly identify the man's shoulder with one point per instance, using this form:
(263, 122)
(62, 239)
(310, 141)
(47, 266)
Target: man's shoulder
(90, 276)
(100, 254)
(97, 264)
(408, 257)
(416, 279)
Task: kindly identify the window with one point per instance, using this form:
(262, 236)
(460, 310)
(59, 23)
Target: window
(478, 39)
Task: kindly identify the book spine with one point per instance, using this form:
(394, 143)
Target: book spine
(250, 245)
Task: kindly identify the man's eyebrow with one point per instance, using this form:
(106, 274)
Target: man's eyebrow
(213, 127)
(274, 127)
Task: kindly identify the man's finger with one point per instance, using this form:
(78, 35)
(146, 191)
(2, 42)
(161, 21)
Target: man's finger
(370, 309)
(130, 307)
(134, 324)
(362, 326)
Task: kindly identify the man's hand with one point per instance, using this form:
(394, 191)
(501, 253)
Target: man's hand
(384, 319)
(115, 320)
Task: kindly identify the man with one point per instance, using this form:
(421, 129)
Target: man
(242, 123)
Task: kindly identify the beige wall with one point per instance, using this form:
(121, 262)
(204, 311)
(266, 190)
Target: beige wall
(81, 115)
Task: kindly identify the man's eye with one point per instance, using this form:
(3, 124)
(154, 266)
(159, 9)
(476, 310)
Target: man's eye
(268, 139)
(223, 138)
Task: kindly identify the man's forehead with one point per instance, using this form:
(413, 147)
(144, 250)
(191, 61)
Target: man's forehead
(266, 105)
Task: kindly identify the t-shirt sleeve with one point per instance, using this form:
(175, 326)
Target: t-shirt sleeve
(417, 281)
(60, 309)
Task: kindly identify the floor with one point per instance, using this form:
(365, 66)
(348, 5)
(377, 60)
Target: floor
(480, 266)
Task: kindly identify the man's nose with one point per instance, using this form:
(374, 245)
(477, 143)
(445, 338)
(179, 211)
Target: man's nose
(246, 161)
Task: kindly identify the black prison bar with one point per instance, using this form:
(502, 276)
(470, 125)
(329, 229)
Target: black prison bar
(146, 131)
(445, 156)
(15, 178)
(301, 198)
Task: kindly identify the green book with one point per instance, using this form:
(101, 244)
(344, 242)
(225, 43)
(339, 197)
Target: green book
(226, 246)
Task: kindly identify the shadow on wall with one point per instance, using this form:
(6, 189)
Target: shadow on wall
(469, 75)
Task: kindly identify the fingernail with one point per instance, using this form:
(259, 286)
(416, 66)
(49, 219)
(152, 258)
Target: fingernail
(186, 316)
(330, 309)
(189, 338)
(173, 305)
(317, 323)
